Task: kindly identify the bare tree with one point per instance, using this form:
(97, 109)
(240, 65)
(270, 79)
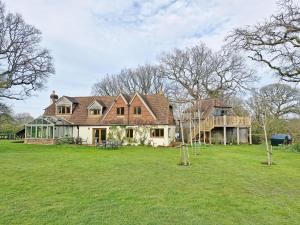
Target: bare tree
(238, 105)
(23, 118)
(258, 104)
(24, 64)
(106, 86)
(279, 100)
(144, 79)
(275, 42)
(5, 113)
(203, 73)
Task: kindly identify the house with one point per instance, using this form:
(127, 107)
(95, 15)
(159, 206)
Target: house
(218, 123)
(136, 119)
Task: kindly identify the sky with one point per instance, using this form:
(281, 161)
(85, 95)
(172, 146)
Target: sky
(91, 38)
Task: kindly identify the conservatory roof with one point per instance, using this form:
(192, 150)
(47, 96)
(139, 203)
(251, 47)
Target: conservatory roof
(49, 120)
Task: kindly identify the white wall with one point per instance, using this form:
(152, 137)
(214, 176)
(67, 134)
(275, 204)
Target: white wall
(86, 133)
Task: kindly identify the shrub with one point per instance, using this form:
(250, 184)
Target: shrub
(296, 147)
(257, 139)
(66, 140)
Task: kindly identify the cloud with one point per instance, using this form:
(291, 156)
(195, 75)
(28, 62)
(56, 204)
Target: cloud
(91, 38)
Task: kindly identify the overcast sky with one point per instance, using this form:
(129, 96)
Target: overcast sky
(91, 38)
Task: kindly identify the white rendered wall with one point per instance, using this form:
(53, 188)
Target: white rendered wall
(86, 133)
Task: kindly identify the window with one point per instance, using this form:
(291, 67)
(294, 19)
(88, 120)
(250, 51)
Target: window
(33, 132)
(44, 132)
(129, 133)
(157, 132)
(39, 132)
(50, 132)
(137, 110)
(120, 111)
(62, 109)
(28, 132)
(95, 111)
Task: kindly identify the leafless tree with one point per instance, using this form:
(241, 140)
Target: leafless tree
(238, 105)
(106, 86)
(24, 64)
(258, 104)
(22, 118)
(204, 73)
(279, 100)
(144, 79)
(274, 42)
(5, 113)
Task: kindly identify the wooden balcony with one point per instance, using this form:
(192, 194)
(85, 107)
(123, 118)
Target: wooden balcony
(231, 121)
(224, 121)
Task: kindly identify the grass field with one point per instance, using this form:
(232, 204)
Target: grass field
(141, 185)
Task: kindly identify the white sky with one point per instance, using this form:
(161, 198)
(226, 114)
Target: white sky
(91, 38)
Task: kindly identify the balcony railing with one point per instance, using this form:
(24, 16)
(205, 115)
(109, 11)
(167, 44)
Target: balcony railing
(221, 121)
(234, 121)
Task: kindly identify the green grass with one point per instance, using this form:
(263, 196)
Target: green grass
(141, 185)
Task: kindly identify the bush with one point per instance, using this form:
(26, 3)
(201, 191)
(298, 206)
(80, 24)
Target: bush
(257, 139)
(296, 147)
(66, 140)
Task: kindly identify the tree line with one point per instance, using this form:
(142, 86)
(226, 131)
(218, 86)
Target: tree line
(188, 74)
(199, 72)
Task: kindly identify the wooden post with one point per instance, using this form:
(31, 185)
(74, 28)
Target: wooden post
(267, 144)
(191, 133)
(224, 129)
(181, 128)
(238, 135)
(210, 137)
(250, 136)
(199, 121)
(225, 138)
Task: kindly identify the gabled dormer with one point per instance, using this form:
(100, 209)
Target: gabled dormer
(95, 108)
(118, 111)
(139, 107)
(64, 106)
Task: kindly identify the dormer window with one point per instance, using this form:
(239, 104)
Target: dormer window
(95, 108)
(95, 111)
(120, 111)
(137, 110)
(63, 109)
(64, 106)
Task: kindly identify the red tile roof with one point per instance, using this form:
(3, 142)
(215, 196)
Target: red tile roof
(158, 103)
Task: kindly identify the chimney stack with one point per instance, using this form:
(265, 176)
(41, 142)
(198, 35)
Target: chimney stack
(53, 97)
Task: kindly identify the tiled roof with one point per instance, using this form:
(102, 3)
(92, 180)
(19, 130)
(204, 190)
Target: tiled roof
(158, 103)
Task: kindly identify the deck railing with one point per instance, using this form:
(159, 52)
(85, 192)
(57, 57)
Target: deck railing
(234, 121)
(221, 121)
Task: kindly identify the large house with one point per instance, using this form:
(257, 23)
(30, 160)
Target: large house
(132, 119)
(218, 123)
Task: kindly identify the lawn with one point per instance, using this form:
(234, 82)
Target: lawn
(142, 185)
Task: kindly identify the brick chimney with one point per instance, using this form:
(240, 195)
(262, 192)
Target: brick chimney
(53, 97)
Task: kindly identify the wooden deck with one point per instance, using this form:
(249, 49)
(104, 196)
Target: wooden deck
(212, 122)
(224, 121)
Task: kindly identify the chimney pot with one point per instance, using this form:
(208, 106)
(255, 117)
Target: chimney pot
(53, 97)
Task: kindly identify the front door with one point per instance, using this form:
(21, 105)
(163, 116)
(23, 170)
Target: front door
(99, 135)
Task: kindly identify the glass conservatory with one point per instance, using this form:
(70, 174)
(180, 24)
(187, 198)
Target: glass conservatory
(48, 128)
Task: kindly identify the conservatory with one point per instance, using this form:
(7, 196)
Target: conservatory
(46, 130)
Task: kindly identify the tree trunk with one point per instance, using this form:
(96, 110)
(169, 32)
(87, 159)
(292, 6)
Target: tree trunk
(269, 157)
(191, 133)
(199, 118)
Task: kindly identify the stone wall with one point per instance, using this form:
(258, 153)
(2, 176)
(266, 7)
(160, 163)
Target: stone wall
(42, 141)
